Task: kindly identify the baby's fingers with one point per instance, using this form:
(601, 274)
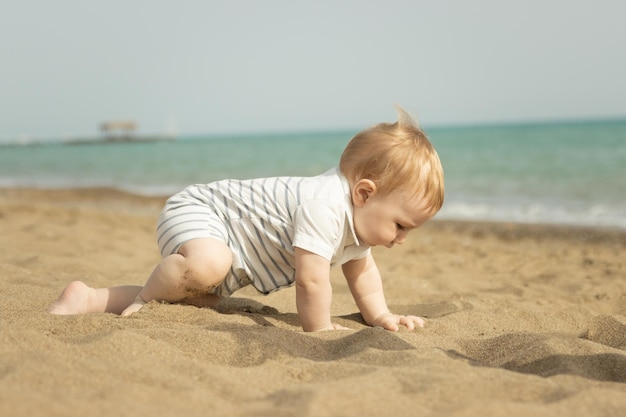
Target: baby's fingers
(411, 322)
(392, 322)
(389, 322)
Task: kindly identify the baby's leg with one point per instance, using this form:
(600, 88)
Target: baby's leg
(78, 298)
(199, 266)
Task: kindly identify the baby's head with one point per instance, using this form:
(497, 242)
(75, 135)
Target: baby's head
(396, 156)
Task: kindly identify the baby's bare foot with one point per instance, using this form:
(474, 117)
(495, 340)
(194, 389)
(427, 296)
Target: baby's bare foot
(75, 299)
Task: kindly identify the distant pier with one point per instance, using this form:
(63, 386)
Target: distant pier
(119, 131)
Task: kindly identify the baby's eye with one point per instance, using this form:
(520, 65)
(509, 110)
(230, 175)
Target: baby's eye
(399, 226)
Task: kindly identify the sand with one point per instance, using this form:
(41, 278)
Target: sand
(521, 320)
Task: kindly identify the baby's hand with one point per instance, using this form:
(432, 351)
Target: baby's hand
(392, 321)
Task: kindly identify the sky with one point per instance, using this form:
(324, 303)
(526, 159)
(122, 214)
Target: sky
(213, 67)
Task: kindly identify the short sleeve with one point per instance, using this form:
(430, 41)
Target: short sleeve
(318, 227)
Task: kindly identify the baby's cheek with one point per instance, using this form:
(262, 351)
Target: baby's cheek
(387, 237)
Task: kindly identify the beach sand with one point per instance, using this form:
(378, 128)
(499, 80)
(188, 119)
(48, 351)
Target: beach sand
(521, 320)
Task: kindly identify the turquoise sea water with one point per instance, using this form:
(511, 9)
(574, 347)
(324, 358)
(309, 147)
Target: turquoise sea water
(563, 173)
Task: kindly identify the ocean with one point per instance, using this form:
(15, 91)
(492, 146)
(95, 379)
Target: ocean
(571, 173)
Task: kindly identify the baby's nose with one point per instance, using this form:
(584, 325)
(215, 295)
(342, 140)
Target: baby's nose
(400, 237)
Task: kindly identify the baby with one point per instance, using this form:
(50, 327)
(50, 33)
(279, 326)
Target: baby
(272, 233)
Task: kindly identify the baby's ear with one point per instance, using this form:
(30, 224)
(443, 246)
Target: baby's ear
(362, 191)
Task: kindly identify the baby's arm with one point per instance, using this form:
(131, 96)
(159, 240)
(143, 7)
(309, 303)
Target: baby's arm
(313, 291)
(367, 289)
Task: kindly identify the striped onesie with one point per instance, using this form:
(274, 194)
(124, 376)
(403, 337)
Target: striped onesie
(262, 220)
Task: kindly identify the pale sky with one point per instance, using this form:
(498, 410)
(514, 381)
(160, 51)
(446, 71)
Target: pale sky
(210, 67)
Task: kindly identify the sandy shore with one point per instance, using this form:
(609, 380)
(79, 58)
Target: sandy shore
(522, 320)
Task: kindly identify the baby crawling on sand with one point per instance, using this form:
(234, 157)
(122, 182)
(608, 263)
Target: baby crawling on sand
(272, 233)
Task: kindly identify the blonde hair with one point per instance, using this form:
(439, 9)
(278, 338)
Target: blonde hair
(396, 155)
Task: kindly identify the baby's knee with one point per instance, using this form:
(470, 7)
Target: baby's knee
(202, 274)
(207, 268)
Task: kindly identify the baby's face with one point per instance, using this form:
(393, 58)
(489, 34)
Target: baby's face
(386, 219)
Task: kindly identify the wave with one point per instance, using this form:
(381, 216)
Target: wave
(596, 214)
